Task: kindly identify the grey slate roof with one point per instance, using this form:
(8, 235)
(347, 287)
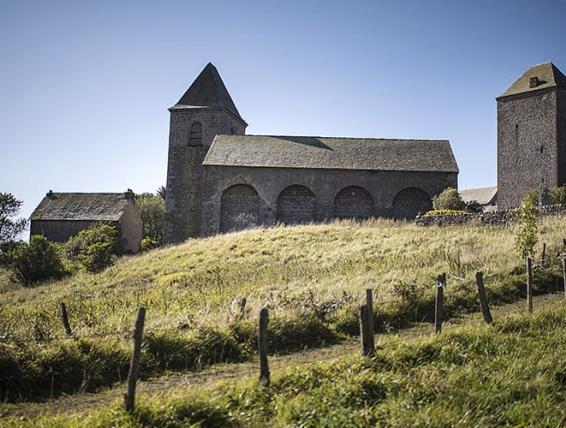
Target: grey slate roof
(208, 90)
(483, 195)
(331, 153)
(81, 206)
(548, 74)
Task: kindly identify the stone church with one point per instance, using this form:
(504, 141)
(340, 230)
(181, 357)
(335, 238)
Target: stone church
(220, 179)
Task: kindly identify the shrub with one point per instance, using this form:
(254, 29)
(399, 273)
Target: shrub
(445, 212)
(37, 261)
(526, 237)
(147, 244)
(474, 207)
(557, 195)
(449, 199)
(94, 248)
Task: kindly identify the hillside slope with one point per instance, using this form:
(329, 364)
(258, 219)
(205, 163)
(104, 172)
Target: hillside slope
(311, 277)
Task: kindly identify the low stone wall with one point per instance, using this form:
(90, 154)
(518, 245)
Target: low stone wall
(491, 218)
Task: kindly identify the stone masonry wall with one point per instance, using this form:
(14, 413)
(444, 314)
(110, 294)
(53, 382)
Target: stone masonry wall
(184, 169)
(527, 149)
(492, 218)
(325, 184)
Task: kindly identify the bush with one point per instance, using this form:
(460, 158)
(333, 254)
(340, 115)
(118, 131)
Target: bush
(444, 212)
(449, 199)
(474, 207)
(37, 261)
(526, 238)
(557, 195)
(94, 248)
(147, 244)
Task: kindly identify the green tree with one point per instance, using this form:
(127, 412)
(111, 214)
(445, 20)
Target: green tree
(152, 211)
(95, 248)
(527, 217)
(37, 261)
(449, 199)
(10, 226)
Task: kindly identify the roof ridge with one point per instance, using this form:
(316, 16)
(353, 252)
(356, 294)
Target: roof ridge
(336, 138)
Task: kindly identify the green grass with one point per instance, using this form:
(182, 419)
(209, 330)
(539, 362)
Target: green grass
(512, 373)
(311, 277)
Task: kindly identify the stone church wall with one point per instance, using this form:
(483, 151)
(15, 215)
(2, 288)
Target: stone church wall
(277, 192)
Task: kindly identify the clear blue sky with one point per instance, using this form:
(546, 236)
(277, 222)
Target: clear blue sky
(85, 85)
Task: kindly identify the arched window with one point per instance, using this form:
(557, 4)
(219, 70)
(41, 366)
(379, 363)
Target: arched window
(353, 202)
(296, 204)
(239, 208)
(411, 201)
(195, 136)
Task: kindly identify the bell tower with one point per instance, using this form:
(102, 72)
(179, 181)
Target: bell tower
(203, 112)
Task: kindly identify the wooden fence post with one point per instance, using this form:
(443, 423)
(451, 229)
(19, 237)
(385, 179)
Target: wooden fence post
(438, 315)
(130, 396)
(370, 320)
(563, 258)
(543, 258)
(483, 299)
(65, 319)
(262, 346)
(529, 284)
(364, 330)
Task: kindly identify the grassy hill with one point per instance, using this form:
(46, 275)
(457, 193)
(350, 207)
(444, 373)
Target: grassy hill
(311, 277)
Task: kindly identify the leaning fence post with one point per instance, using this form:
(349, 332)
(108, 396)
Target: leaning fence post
(262, 346)
(129, 397)
(65, 319)
(439, 302)
(483, 298)
(529, 284)
(370, 320)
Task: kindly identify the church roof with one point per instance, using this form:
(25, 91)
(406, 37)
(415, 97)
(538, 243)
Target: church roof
(537, 77)
(82, 206)
(208, 90)
(483, 195)
(331, 153)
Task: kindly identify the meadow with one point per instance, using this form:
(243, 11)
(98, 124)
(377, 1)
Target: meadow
(311, 277)
(509, 373)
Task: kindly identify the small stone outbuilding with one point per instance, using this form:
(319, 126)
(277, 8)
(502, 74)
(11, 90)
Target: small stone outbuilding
(59, 216)
(485, 196)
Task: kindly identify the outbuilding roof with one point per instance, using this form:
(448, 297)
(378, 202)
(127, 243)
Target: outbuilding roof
(331, 153)
(82, 206)
(537, 77)
(483, 195)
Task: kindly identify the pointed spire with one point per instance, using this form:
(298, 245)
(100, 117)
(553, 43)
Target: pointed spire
(541, 76)
(208, 90)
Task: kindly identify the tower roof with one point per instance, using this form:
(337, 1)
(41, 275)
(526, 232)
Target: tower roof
(537, 77)
(208, 90)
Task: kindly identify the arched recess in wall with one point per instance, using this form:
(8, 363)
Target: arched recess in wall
(195, 135)
(296, 204)
(353, 202)
(239, 208)
(411, 201)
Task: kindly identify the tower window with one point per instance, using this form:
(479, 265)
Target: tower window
(533, 82)
(195, 136)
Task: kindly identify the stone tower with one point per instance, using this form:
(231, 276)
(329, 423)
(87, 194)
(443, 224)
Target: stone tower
(203, 112)
(531, 134)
